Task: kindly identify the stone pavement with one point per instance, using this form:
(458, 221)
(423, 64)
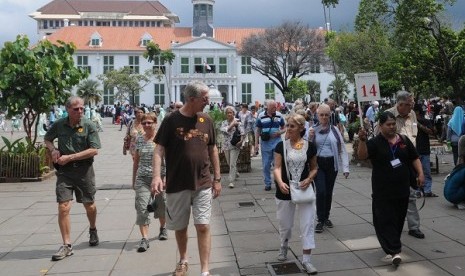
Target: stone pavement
(244, 238)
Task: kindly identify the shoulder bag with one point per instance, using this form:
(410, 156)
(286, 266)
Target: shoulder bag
(236, 137)
(297, 194)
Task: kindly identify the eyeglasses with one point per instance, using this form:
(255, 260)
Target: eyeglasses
(78, 109)
(147, 123)
(323, 114)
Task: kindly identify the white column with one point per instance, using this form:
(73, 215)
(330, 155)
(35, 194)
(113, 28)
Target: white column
(234, 94)
(173, 93)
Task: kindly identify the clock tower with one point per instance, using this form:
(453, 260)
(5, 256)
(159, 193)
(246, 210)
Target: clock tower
(203, 18)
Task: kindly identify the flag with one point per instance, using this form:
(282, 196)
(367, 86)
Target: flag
(207, 67)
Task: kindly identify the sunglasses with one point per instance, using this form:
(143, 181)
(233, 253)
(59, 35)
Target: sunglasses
(147, 123)
(78, 109)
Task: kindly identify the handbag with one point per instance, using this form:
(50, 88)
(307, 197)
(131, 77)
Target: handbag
(236, 137)
(126, 142)
(152, 205)
(297, 194)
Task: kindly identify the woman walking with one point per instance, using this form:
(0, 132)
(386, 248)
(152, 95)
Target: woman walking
(302, 166)
(331, 158)
(134, 129)
(231, 150)
(142, 180)
(455, 129)
(392, 157)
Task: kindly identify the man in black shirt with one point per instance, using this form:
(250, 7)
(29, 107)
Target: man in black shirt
(425, 128)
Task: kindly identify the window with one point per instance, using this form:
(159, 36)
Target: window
(184, 65)
(108, 63)
(158, 67)
(198, 65)
(95, 42)
(223, 65)
(246, 67)
(246, 92)
(315, 66)
(136, 23)
(134, 64)
(45, 24)
(108, 96)
(159, 94)
(269, 91)
(204, 65)
(83, 62)
(210, 66)
(144, 42)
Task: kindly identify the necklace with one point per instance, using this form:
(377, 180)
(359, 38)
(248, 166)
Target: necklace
(297, 145)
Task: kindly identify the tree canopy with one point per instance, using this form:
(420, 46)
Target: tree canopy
(282, 53)
(33, 79)
(128, 84)
(89, 91)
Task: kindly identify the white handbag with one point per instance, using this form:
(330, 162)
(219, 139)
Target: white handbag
(298, 195)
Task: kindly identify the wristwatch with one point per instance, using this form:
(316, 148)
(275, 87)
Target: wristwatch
(217, 179)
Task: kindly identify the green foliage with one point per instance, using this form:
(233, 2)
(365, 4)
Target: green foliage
(339, 89)
(128, 84)
(88, 90)
(33, 79)
(217, 115)
(297, 89)
(314, 90)
(15, 147)
(328, 3)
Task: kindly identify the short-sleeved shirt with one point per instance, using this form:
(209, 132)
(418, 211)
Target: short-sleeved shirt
(186, 141)
(311, 151)
(272, 125)
(74, 139)
(388, 182)
(145, 150)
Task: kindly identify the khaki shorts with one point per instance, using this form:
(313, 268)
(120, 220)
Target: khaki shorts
(79, 180)
(178, 208)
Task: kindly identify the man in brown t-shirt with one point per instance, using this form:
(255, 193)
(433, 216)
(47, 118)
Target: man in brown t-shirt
(186, 139)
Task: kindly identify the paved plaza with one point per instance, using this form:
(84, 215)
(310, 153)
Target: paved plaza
(245, 238)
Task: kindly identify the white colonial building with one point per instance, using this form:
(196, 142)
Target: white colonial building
(202, 53)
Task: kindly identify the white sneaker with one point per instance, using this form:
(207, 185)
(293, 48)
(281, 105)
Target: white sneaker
(396, 259)
(309, 268)
(231, 185)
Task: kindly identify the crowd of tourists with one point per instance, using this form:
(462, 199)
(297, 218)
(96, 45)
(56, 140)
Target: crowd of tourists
(302, 148)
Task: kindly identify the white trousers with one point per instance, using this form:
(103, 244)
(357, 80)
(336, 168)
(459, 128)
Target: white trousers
(285, 215)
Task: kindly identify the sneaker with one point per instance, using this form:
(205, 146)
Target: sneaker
(396, 259)
(143, 245)
(309, 268)
(63, 252)
(418, 194)
(267, 188)
(181, 269)
(282, 256)
(93, 237)
(431, 194)
(319, 227)
(329, 224)
(163, 236)
(231, 185)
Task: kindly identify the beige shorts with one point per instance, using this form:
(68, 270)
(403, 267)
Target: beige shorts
(178, 208)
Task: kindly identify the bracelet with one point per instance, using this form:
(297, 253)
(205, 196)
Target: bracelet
(217, 179)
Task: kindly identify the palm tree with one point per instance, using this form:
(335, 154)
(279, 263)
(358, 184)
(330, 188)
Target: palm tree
(314, 90)
(339, 89)
(88, 90)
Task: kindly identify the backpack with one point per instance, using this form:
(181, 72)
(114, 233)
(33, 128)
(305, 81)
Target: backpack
(455, 185)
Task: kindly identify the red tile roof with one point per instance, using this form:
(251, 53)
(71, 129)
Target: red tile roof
(129, 7)
(128, 38)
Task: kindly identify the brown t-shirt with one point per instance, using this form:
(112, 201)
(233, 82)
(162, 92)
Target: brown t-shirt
(186, 141)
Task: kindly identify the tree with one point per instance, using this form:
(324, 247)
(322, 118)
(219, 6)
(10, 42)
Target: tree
(88, 90)
(314, 90)
(297, 89)
(288, 51)
(128, 84)
(339, 89)
(33, 79)
(153, 53)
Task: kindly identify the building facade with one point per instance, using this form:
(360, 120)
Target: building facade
(211, 57)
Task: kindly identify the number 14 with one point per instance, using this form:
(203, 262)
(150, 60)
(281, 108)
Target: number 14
(372, 90)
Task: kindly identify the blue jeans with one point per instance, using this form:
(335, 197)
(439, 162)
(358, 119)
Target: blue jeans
(325, 179)
(267, 160)
(426, 165)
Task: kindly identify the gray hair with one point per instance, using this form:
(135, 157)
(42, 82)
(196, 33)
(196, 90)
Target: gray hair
(73, 99)
(229, 108)
(403, 96)
(194, 89)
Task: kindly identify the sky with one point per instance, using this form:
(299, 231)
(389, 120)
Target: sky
(14, 17)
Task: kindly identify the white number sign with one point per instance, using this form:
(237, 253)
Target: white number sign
(367, 87)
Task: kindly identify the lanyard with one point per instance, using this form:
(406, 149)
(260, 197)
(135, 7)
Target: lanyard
(393, 150)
